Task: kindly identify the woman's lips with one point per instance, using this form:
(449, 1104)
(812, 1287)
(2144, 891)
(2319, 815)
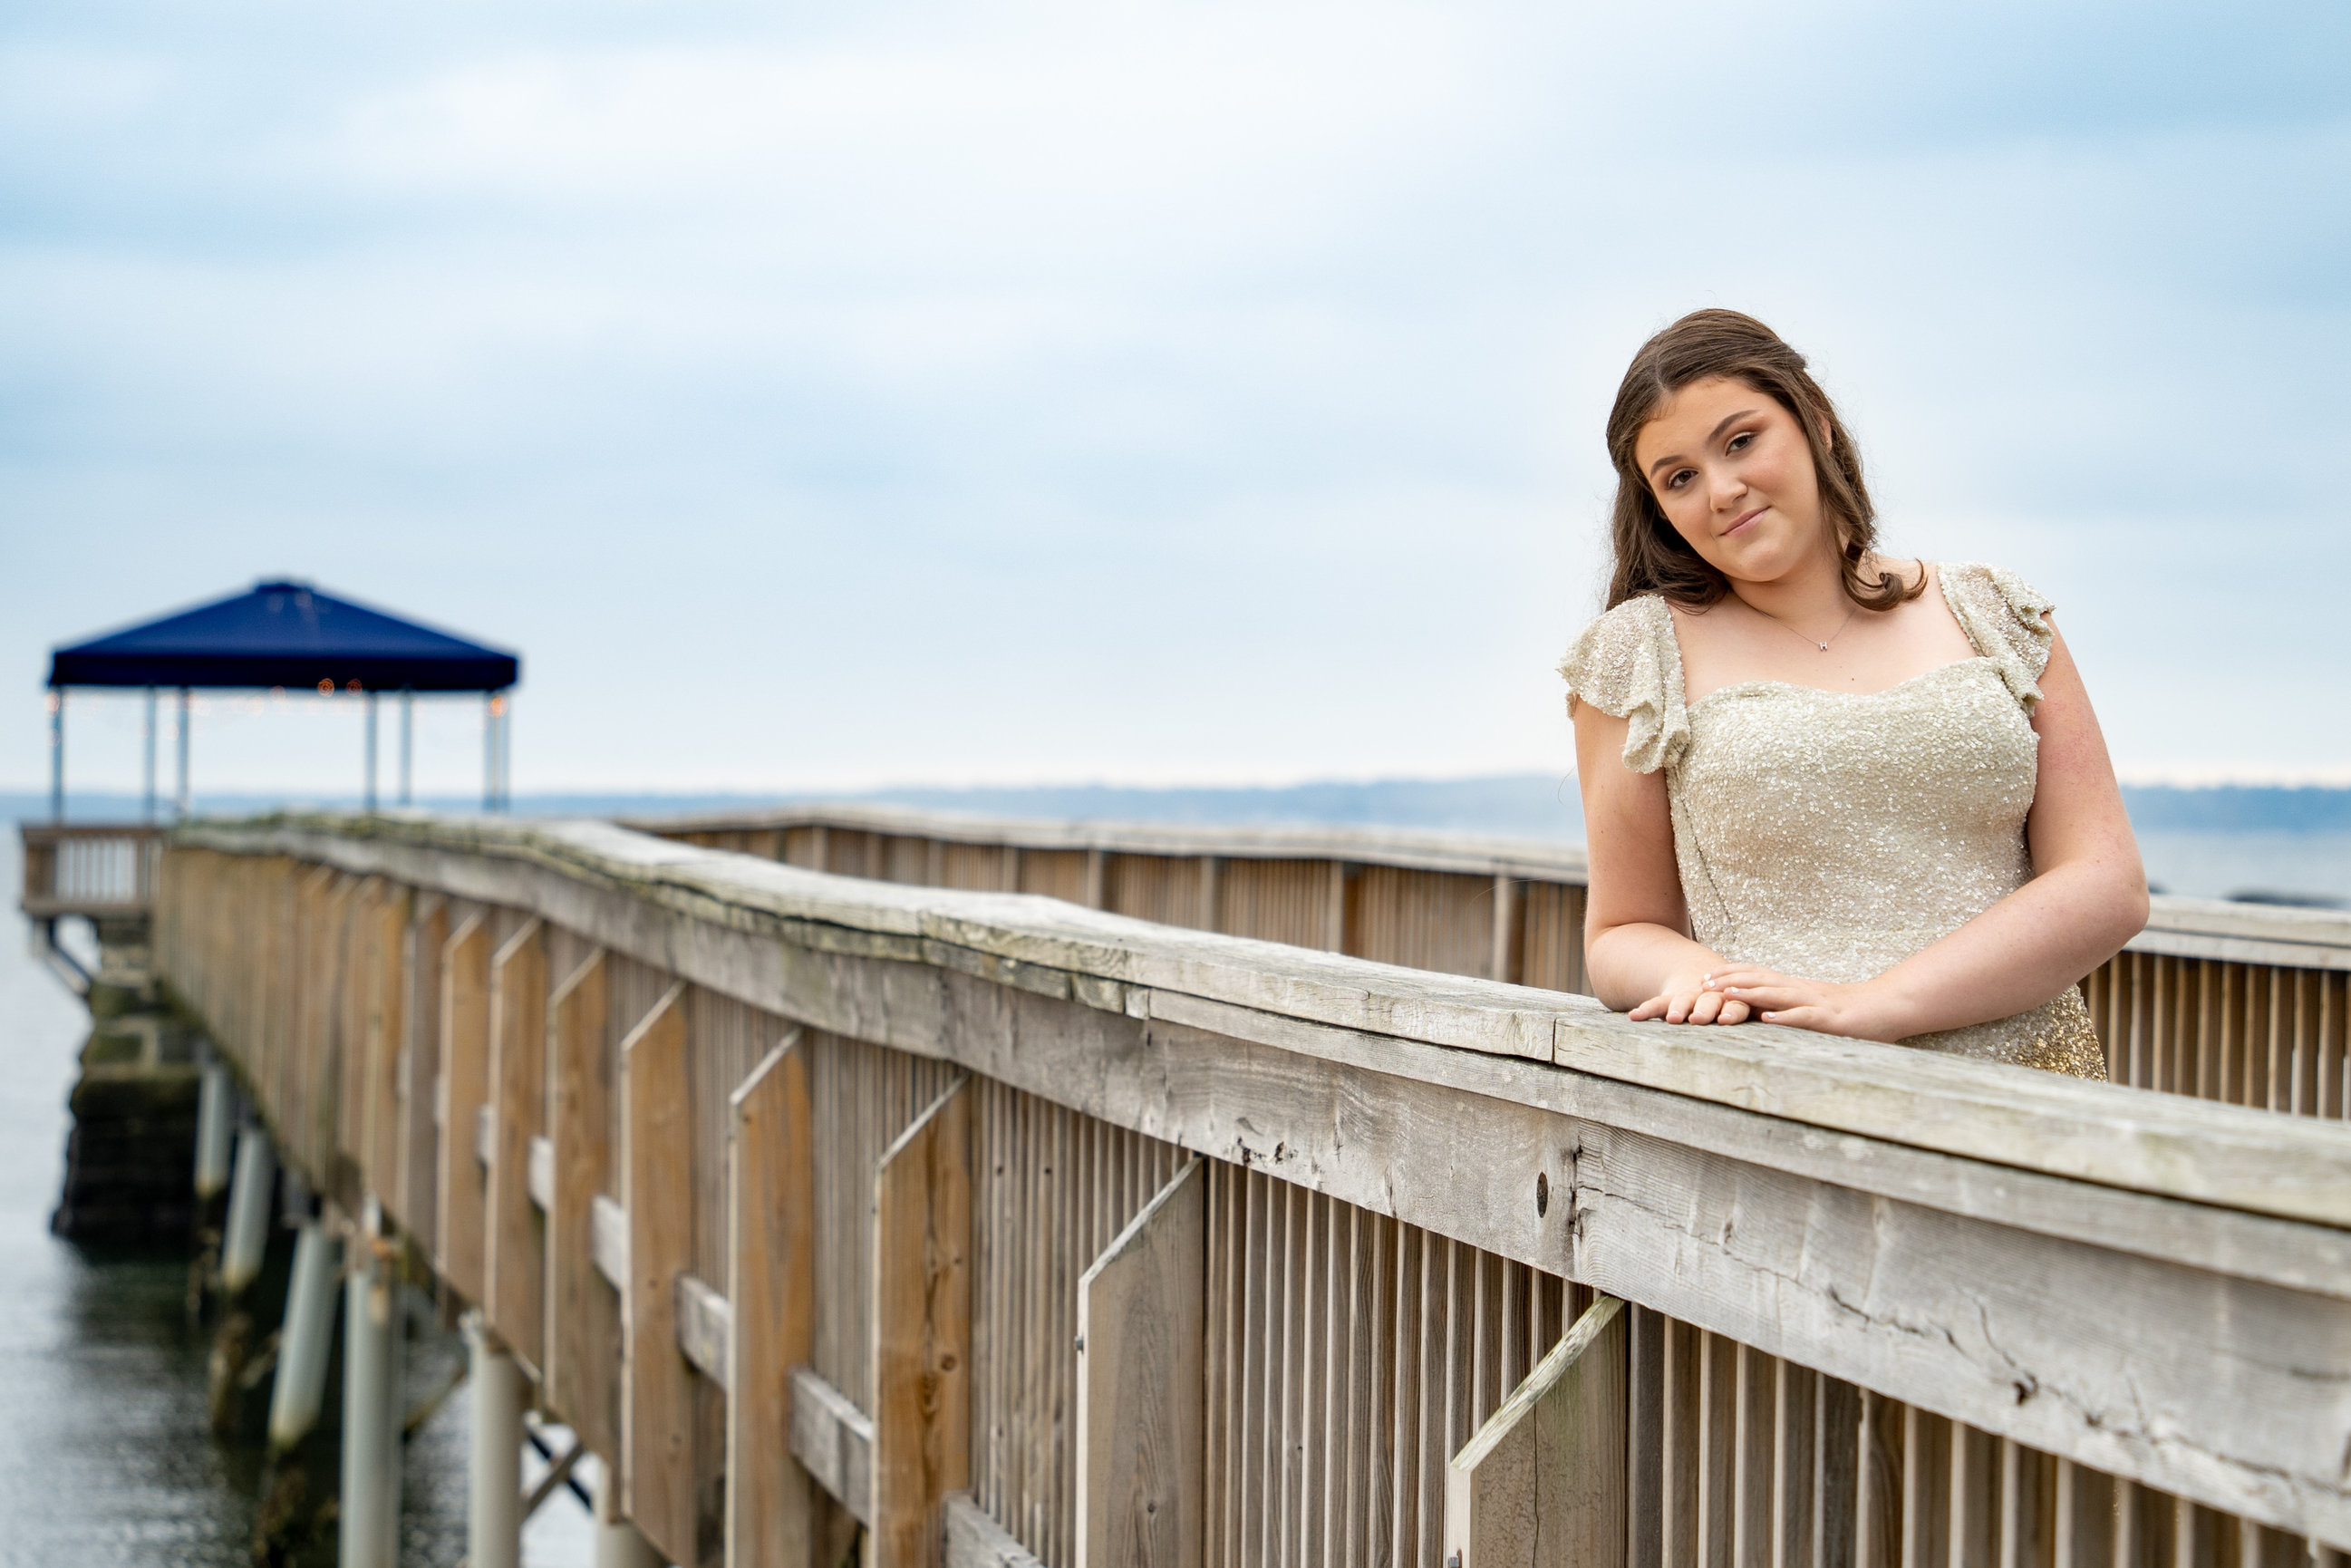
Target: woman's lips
(1744, 521)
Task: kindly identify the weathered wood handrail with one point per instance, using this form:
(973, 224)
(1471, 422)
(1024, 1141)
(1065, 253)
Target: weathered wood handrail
(1413, 1182)
(2243, 1003)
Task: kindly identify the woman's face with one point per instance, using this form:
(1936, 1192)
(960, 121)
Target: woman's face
(1733, 474)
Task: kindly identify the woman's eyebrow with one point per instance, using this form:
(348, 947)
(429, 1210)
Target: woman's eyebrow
(1724, 422)
(1727, 421)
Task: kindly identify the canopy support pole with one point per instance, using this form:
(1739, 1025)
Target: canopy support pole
(187, 713)
(489, 752)
(149, 808)
(407, 748)
(56, 754)
(368, 796)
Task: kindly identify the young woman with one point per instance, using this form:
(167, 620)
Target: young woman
(1824, 787)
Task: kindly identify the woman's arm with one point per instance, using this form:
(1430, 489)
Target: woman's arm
(2087, 897)
(1635, 943)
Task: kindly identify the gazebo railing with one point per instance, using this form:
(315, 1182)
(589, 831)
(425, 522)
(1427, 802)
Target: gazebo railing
(89, 869)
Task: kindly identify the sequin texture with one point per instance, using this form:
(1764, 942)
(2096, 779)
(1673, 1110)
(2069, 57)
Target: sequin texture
(1831, 834)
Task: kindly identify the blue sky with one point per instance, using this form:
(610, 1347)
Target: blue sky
(1140, 392)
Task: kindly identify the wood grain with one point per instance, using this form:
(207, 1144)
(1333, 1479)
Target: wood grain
(583, 1309)
(922, 1332)
(774, 1510)
(656, 1441)
(1543, 1483)
(1140, 1428)
(459, 1227)
(834, 1441)
(515, 1269)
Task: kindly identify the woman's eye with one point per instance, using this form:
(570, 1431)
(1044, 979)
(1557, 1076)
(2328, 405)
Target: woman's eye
(1680, 477)
(1740, 441)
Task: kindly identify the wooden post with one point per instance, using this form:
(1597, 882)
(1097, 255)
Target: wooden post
(464, 1085)
(583, 1311)
(1542, 1485)
(1141, 1352)
(1505, 922)
(515, 1273)
(922, 1332)
(657, 1387)
(774, 1511)
(412, 1195)
(386, 1034)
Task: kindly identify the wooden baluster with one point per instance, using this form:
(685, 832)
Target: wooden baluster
(922, 1331)
(515, 1268)
(583, 1309)
(776, 1516)
(1141, 1328)
(1543, 1483)
(464, 1088)
(657, 1388)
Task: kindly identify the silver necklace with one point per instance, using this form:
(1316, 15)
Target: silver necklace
(1815, 641)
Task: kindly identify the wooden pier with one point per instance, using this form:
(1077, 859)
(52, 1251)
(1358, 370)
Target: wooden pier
(1262, 1199)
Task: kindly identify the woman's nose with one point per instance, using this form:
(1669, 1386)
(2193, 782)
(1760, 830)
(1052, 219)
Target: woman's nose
(1725, 490)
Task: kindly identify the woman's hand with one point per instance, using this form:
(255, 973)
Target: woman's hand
(1691, 1000)
(1857, 1012)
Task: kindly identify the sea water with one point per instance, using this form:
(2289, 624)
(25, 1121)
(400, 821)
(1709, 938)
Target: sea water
(107, 1457)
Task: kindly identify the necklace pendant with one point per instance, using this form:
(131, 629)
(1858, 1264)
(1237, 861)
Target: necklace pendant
(1825, 647)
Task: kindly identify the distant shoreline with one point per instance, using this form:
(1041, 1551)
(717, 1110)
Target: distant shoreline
(1529, 805)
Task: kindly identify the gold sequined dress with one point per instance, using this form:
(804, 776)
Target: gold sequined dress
(1833, 834)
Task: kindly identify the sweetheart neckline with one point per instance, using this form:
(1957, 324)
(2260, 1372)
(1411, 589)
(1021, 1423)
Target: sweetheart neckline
(1693, 704)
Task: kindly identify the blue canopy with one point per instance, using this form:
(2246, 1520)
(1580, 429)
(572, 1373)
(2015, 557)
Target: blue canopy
(285, 634)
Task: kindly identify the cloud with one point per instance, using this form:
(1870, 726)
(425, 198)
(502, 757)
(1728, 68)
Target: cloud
(1145, 390)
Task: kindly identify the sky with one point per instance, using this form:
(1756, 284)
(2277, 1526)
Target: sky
(1132, 392)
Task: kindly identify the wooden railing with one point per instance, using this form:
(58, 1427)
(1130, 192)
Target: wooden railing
(2243, 1003)
(90, 869)
(1012, 1231)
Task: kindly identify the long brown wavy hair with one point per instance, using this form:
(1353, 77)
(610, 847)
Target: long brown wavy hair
(1651, 557)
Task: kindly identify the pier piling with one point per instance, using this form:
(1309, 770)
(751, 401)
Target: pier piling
(494, 1517)
(369, 1524)
(303, 1344)
(214, 1099)
(247, 1234)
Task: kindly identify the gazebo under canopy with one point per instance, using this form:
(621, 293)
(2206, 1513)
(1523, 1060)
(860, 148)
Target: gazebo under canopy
(288, 636)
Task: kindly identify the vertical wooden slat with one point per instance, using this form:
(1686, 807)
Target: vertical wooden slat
(1717, 1452)
(657, 1393)
(2084, 1524)
(464, 1084)
(1683, 1428)
(922, 1331)
(1975, 1525)
(776, 1514)
(387, 1037)
(1141, 1378)
(1926, 1489)
(514, 1267)
(1795, 1417)
(1541, 1484)
(1645, 1442)
(583, 1311)
(1753, 1413)
(1837, 1459)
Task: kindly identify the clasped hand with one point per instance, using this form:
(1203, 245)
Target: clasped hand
(1743, 991)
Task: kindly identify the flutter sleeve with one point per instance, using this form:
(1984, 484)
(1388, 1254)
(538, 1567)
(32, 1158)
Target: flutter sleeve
(2003, 616)
(1628, 664)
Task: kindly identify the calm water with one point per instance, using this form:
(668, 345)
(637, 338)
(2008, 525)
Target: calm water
(105, 1454)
